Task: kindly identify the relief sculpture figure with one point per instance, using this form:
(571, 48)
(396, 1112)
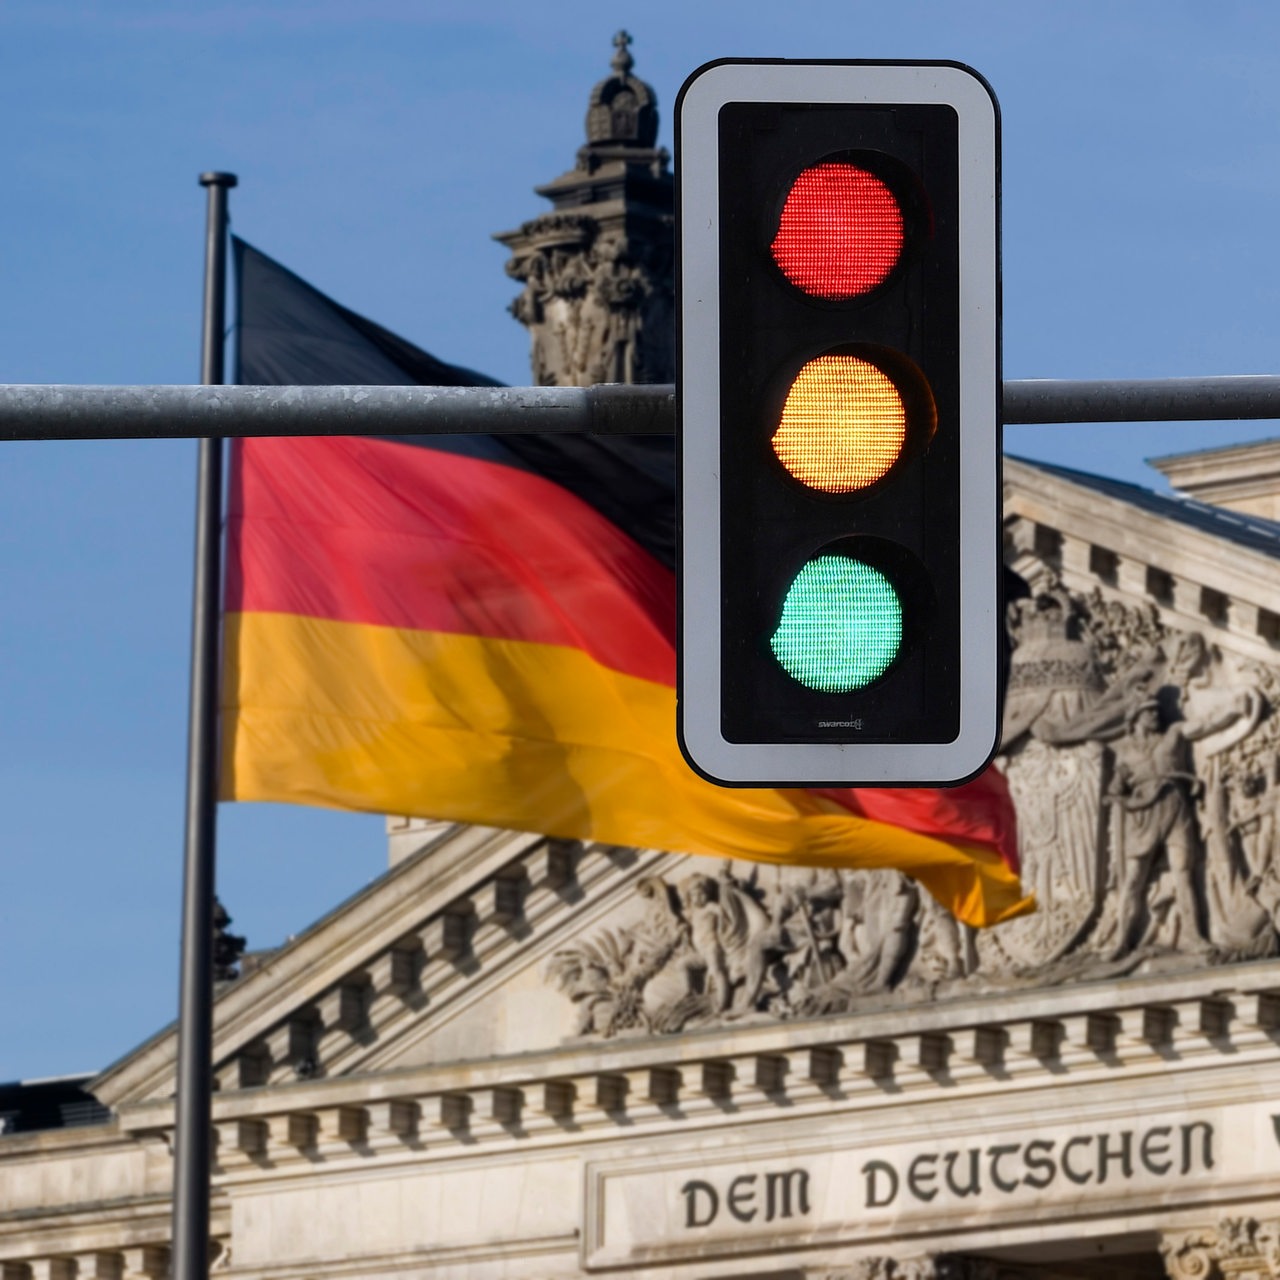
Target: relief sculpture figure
(707, 930)
(731, 936)
(1221, 712)
(1153, 790)
(1144, 762)
(1054, 682)
(878, 929)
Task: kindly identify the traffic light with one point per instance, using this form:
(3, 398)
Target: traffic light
(838, 397)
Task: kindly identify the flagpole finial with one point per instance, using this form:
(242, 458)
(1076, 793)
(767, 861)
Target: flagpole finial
(215, 178)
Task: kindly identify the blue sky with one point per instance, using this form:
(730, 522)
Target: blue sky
(378, 146)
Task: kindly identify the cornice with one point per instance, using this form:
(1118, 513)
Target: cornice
(1203, 1026)
(1225, 468)
(1193, 578)
(70, 1141)
(1121, 527)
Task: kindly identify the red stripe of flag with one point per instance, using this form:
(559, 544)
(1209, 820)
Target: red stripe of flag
(458, 545)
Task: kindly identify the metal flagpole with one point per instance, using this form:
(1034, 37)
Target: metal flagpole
(192, 1144)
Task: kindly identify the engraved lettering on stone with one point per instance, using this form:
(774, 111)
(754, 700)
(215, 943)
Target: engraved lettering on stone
(882, 1183)
(1003, 1169)
(759, 1198)
(701, 1203)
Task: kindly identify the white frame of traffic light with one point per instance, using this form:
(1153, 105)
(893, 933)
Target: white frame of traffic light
(706, 92)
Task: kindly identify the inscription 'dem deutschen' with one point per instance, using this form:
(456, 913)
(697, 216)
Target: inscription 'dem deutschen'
(1001, 1168)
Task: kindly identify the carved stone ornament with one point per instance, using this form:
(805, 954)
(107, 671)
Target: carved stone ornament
(884, 1268)
(1145, 767)
(598, 270)
(1238, 1249)
(1143, 764)
(928, 1267)
(598, 307)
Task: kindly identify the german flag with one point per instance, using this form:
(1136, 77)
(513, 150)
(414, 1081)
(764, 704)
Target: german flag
(481, 629)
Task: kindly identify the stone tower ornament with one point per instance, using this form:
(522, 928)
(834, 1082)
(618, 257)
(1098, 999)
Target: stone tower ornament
(598, 297)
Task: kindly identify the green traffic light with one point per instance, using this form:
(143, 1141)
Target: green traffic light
(841, 625)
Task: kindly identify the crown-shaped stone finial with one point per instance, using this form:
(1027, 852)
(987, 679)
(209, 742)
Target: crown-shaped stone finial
(622, 60)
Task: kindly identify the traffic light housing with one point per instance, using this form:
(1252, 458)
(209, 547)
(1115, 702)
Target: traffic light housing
(838, 392)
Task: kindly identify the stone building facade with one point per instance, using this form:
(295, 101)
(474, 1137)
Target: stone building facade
(520, 1057)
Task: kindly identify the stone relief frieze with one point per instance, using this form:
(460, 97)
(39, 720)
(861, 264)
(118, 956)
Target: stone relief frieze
(1144, 763)
(598, 308)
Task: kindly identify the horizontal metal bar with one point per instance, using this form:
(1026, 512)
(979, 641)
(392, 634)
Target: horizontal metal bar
(103, 413)
(1143, 400)
(178, 412)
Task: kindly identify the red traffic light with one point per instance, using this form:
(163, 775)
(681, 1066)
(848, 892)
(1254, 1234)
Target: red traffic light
(841, 231)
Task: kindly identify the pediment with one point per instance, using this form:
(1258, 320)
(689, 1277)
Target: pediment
(441, 959)
(1196, 567)
(1147, 853)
